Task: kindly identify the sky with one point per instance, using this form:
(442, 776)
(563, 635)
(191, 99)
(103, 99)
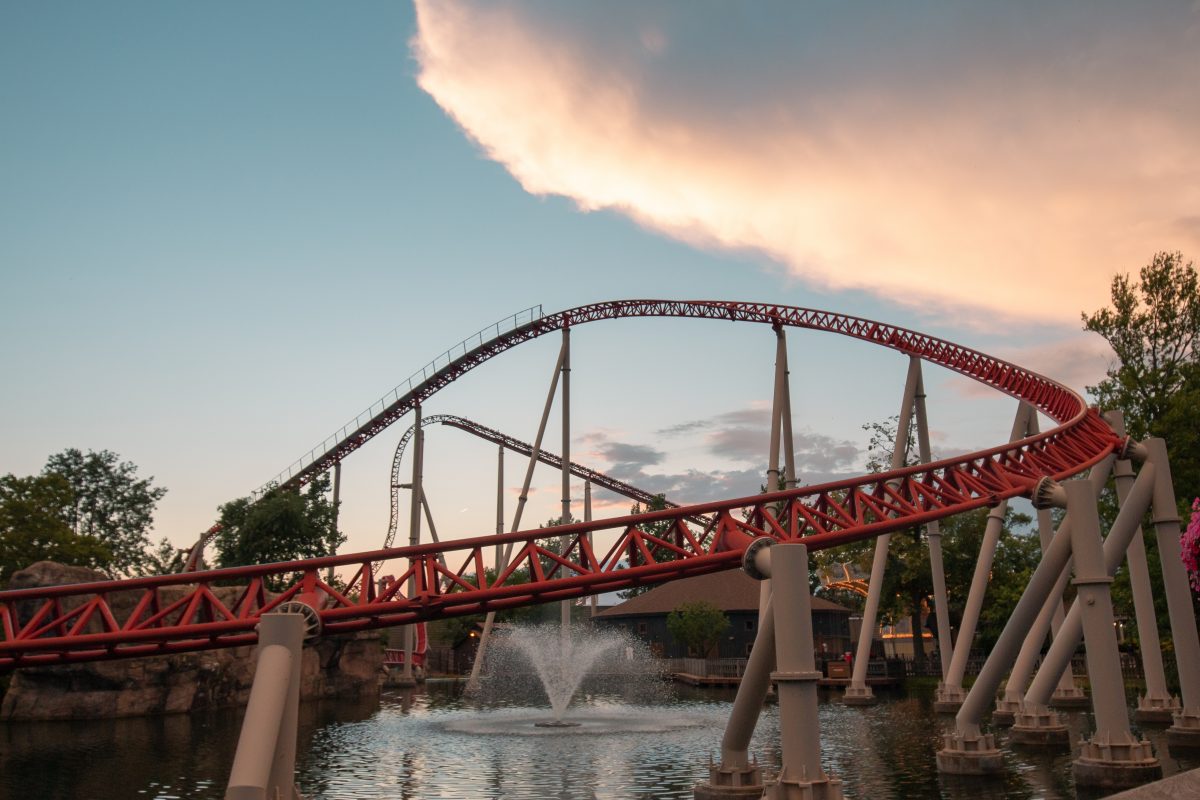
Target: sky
(227, 228)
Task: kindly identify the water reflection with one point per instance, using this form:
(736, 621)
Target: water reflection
(434, 743)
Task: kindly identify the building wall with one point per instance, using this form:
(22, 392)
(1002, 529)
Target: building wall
(831, 633)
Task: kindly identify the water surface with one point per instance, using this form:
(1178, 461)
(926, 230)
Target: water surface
(434, 743)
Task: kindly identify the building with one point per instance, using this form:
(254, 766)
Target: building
(736, 594)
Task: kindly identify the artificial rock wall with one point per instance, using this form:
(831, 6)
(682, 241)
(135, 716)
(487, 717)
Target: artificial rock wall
(338, 666)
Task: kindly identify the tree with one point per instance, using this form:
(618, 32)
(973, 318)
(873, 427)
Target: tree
(658, 529)
(698, 626)
(1153, 326)
(33, 527)
(285, 525)
(111, 504)
(163, 559)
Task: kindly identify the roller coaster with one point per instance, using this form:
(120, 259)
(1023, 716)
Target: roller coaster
(145, 616)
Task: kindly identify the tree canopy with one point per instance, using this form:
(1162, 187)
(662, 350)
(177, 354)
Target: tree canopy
(33, 527)
(698, 626)
(285, 525)
(1153, 326)
(110, 504)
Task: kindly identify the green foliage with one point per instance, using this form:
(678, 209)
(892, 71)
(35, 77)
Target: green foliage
(698, 626)
(111, 505)
(1153, 326)
(163, 559)
(283, 526)
(659, 529)
(33, 527)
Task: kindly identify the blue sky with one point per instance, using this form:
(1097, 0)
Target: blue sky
(225, 229)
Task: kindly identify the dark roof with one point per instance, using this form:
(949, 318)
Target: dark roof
(731, 590)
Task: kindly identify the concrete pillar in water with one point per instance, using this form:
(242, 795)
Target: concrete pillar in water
(1113, 758)
(858, 693)
(1184, 733)
(800, 776)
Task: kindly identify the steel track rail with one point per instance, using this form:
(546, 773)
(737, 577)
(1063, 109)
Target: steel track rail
(494, 436)
(74, 623)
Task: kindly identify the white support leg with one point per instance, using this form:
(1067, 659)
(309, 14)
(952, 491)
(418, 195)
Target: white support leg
(265, 762)
(564, 606)
(933, 534)
(1035, 723)
(858, 692)
(414, 538)
(1113, 758)
(967, 750)
(1184, 733)
(489, 621)
(1157, 704)
(801, 776)
(950, 693)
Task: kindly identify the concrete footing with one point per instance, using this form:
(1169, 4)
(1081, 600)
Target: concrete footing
(948, 699)
(859, 696)
(1160, 710)
(1005, 711)
(725, 782)
(791, 787)
(1184, 734)
(1115, 765)
(1075, 697)
(969, 755)
(1036, 726)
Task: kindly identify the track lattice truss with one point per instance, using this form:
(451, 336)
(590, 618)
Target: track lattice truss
(552, 460)
(146, 616)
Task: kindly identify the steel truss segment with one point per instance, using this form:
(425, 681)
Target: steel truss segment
(1002, 375)
(78, 622)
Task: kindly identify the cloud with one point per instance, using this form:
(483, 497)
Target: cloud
(1008, 157)
(738, 436)
(632, 454)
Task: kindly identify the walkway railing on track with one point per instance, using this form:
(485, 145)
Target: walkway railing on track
(493, 331)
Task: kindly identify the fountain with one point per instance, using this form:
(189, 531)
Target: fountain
(547, 660)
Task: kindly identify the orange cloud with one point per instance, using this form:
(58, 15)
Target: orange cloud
(966, 162)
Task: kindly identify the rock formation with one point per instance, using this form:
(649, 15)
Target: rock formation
(335, 666)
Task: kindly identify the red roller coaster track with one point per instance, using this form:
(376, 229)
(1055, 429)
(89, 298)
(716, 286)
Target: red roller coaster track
(74, 623)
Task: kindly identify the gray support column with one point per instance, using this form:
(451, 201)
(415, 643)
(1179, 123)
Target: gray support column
(414, 538)
(337, 501)
(779, 396)
(950, 693)
(1185, 732)
(1035, 723)
(967, 750)
(1112, 758)
(1070, 633)
(499, 499)
(777, 409)
(564, 606)
(858, 692)
(1157, 704)
(502, 562)
(433, 534)
(1068, 694)
(265, 762)
(1010, 704)
(933, 535)
(800, 775)
(736, 775)
(587, 517)
(789, 442)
